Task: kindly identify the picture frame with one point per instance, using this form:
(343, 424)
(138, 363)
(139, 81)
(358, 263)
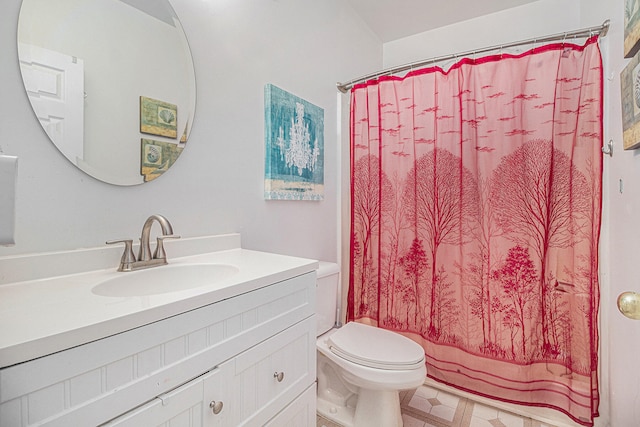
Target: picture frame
(294, 147)
(158, 117)
(631, 27)
(630, 98)
(156, 157)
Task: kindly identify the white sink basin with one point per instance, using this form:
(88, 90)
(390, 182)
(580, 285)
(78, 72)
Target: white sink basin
(164, 279)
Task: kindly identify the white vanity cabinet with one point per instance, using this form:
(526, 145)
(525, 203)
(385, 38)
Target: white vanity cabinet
(249, 358)
(242, 391)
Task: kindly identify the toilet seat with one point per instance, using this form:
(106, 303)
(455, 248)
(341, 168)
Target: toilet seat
(376, 348)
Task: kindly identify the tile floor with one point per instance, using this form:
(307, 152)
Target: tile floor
(429, 407)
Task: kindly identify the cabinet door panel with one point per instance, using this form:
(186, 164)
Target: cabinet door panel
(218, 398)
(299, 413)
(262, 392)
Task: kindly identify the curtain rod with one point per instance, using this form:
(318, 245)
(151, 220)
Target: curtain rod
(585, 32)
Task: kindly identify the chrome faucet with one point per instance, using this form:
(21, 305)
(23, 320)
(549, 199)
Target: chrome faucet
(128, 262)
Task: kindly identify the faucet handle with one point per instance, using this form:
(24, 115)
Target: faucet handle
(159, 252)
(128, 257)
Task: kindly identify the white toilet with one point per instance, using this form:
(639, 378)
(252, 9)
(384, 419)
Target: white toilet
(361, 368)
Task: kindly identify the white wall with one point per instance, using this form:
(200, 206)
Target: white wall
(531, 20)
(302, 46)
(620, 238)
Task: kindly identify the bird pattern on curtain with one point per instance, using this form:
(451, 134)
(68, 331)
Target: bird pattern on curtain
(475, 219)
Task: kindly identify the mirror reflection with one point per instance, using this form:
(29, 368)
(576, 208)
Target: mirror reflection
(111, 82)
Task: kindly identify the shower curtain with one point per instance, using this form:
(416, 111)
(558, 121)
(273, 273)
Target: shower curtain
(475, 218)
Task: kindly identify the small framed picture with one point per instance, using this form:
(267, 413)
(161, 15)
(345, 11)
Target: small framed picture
(157, 157)
(631, 27)
(158, 117)
(630, 88)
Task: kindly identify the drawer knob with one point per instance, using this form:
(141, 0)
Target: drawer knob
(279, 376)
(216, 407)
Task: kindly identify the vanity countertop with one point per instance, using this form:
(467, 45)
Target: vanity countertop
(42, 316)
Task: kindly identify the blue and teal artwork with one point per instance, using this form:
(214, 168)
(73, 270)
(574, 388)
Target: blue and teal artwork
(294, 138)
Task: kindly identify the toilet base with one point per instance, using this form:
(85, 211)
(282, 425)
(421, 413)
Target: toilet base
(377, 407)
(341, 415)
(374, 408)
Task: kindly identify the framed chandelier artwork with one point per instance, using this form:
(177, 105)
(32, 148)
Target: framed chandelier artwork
(294, 147)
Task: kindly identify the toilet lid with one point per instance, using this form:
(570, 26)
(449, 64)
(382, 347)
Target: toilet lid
(374, 347)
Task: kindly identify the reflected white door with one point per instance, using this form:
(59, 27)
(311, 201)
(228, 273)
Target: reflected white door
(55, 84)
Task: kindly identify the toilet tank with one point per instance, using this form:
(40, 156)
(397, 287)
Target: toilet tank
(327, 286)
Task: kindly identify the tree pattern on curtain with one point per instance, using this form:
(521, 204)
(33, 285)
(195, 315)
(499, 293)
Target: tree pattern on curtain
(476, 199)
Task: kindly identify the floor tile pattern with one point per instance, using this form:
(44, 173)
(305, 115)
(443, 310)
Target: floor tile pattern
(429, 407)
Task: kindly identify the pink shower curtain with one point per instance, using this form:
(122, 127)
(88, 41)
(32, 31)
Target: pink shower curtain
(476, 198)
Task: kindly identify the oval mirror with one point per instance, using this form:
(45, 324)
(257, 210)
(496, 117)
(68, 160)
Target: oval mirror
(111, 82)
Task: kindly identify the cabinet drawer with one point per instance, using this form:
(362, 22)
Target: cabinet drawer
(95, 382)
